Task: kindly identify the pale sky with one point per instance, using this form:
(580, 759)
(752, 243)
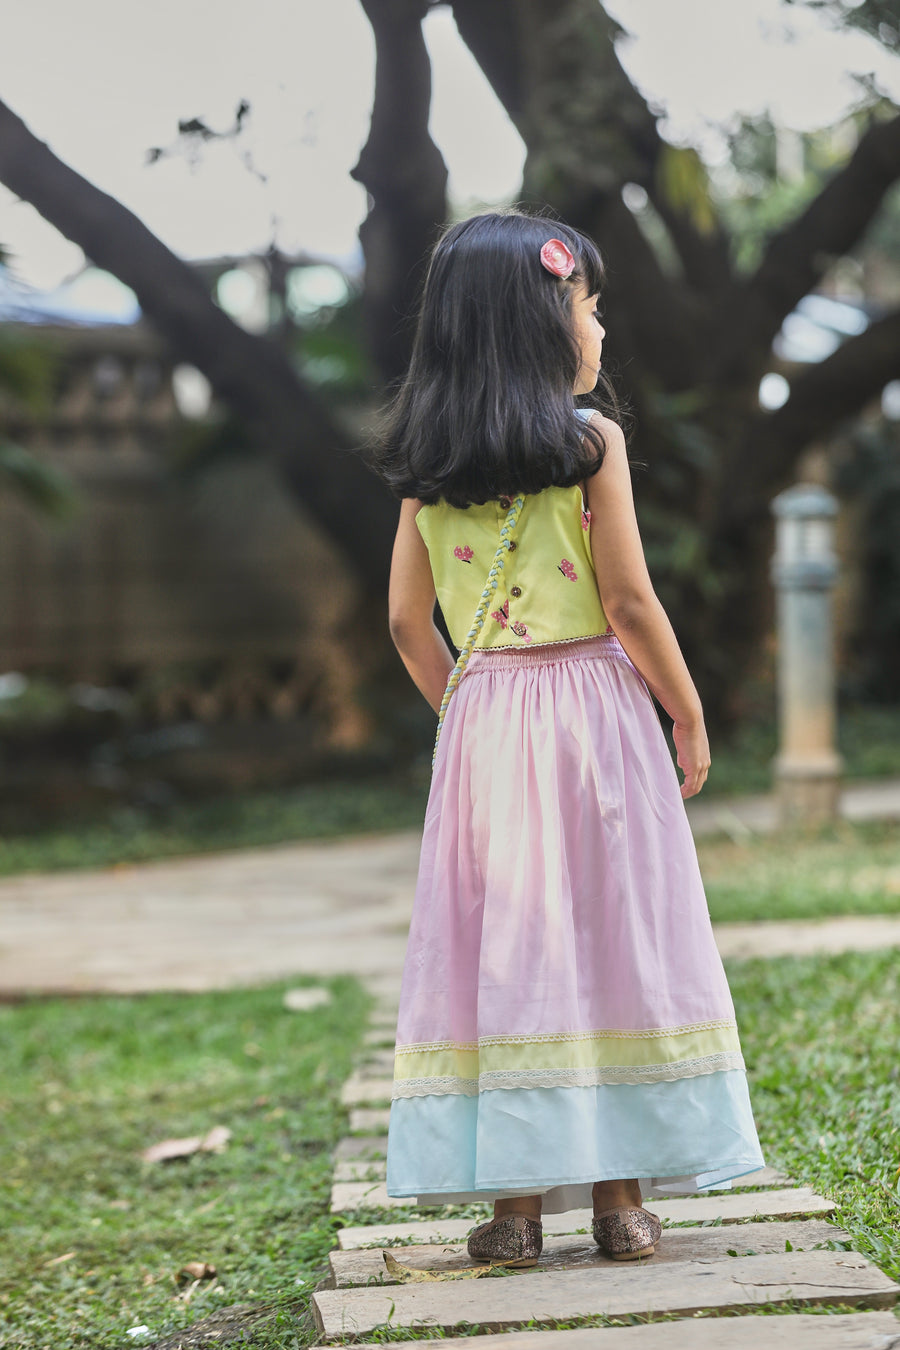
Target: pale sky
(103, 80)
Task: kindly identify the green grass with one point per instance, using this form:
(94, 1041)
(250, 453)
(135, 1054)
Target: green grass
(87, 1084)
(249, 820)
(838, 869)
(820, 1037)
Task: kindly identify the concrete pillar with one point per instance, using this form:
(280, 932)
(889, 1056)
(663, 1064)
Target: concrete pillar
(804, 568)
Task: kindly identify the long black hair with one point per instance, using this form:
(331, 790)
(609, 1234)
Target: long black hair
(486, 408)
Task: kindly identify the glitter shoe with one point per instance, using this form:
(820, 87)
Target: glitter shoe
(514, 1240)
(626, 1232)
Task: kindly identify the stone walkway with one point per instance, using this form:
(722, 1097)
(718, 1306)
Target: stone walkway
(319, 909)
(732, 1253)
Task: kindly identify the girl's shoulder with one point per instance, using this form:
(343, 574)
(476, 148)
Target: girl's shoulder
(604, 424)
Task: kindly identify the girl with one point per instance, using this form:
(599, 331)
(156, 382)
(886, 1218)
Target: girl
(565, 1029)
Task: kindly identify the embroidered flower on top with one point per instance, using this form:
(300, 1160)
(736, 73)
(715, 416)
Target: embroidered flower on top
(567, 569)
(520, 631)
(501, 615)
(463, 552)
(585, 518)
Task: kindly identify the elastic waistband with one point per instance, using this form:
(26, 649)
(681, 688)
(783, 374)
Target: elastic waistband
(486, 659)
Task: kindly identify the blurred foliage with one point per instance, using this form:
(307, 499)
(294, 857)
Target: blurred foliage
(27, 369)
(884, 232)
(36, 702)
(868, 473)
(328, 346)
(879, 18)
(867, 735)
(27, 374)
(755, 198)
(141, 832)
(684, 181)
(39, 484)
(199, 444)
(676, 545)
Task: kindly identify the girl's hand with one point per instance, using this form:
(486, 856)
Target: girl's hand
(692, 746)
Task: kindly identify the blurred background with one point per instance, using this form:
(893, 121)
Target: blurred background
(213, 225)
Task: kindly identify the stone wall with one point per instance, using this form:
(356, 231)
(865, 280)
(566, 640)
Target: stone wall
(212, 597)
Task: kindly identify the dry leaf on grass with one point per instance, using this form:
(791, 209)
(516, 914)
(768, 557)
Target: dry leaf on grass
(196, 1270)
(215, 1141)
(408, 1275)
(191, 1276)
(58, 1260)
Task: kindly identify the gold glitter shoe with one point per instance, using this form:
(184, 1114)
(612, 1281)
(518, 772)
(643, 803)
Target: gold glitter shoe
(514, 1240)
(626, 1232)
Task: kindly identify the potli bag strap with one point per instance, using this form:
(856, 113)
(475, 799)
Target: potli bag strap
(493, 577)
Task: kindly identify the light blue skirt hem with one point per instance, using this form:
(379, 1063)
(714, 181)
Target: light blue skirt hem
(720, 1179)
(681, 1136)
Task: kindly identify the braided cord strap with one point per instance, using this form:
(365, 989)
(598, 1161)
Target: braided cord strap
(490, 585)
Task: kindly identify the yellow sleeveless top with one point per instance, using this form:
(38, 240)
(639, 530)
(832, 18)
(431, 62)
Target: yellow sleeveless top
(547, 590)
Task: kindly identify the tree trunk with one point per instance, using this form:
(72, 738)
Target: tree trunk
(692, 338)
(406, 178)
(248, 373)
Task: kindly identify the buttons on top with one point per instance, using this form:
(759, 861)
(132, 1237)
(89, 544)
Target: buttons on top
(505, 503)
(515, 591)
(512, 545)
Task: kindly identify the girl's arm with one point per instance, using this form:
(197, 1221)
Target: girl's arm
(633, 610)
(411, 600)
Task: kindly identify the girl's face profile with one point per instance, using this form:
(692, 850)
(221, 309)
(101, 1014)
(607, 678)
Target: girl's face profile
(589, 335)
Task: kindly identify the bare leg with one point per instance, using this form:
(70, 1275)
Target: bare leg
(529, 1205)
(611, 1194)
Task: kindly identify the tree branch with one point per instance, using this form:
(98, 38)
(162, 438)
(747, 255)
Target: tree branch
(595, 93)
(799, 255)
(406, 178)
(588, 131)
(248, 373)
(821, 398)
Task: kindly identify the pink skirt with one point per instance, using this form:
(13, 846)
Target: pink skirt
(564, 1014)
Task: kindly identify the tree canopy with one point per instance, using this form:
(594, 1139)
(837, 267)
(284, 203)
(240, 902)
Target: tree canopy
(690, 323)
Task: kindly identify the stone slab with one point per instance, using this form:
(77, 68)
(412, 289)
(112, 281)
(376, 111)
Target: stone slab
(378, 1062)
(378, 1036)
(732, 1207)
(684, 1287)
(359, 1169)
(360, 1146)
(369, 1120)
(811, 937)
(766, 1176)
(385, 987)
(241, 917)
(577, 1252)
(348, 1196)
(366, 1091)
(801, 1331)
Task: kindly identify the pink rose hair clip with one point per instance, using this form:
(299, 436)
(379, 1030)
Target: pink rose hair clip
(557, 259)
